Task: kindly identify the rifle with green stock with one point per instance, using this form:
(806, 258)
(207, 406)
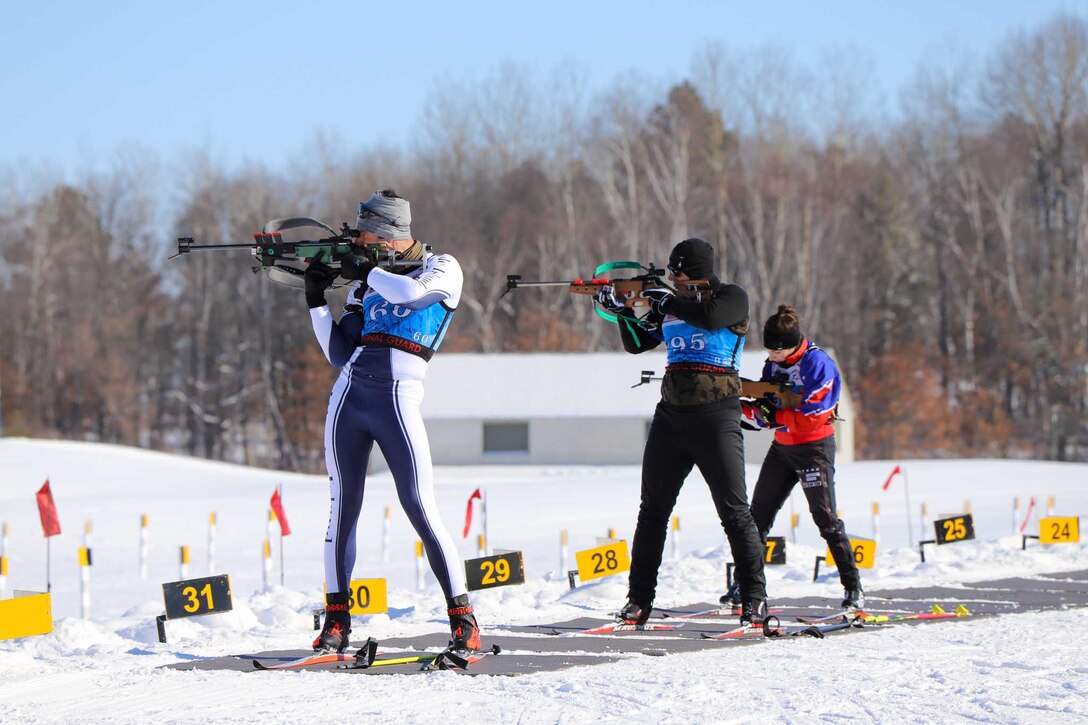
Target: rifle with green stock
(285, 262)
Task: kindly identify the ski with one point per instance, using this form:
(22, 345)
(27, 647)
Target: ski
(747, 630)
(937, 612)
(719, 613)
(853, 614)
(616, 627)
(447, 659)
(774, 629)
(322, 658)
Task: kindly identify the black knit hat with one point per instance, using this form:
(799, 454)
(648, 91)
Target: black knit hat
(695, 258)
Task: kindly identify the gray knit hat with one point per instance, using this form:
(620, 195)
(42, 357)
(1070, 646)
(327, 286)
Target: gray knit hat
(385, 214)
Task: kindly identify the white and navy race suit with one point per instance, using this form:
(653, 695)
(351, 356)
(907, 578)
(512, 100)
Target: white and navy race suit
(391, 327)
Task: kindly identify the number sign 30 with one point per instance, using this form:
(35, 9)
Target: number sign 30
(603, 561)
(194, 597)
(498, 570)
(955, 528)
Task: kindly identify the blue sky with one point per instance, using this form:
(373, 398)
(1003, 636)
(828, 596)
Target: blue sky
(257, 80)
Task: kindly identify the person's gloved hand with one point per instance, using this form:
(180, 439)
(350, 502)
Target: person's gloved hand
(607, 299)
(356, 267)
(318, 277)
(659, 299)
(762, 412)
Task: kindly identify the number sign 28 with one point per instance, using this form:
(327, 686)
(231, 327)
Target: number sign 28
(955, 528)
(498, 570)
(194, 597)
(603, 561)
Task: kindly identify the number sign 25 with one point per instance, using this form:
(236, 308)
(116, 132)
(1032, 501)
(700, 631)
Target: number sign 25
(498, 570)
(194, 597)
(955, 528)
(603, 561)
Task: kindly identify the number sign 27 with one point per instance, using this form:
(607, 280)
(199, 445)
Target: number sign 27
(498, 570)
(603, 561)
(955, 528)
(194, 597)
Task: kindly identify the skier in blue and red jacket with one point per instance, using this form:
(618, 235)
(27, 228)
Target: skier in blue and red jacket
(804, 441)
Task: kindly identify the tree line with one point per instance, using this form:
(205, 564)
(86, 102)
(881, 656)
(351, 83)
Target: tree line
(941, 252)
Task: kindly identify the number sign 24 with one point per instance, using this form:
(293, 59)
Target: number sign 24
(498, 570)
(603, 561)
(1059, 530)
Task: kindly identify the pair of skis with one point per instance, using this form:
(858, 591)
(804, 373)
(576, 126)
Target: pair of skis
(367, 657)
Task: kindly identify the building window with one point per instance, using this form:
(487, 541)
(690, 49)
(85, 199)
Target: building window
(506, 437)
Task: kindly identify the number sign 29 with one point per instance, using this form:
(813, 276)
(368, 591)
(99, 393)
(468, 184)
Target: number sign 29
(195, 597)
(498, 570)
(603, 561)
(955, 528)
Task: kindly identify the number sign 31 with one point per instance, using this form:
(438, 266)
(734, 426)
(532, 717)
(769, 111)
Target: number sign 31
(195, 597)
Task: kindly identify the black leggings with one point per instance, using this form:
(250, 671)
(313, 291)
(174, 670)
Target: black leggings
(814, 465)
(707, 436)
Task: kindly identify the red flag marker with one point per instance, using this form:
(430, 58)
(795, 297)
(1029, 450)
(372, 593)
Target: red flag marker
(281, 515)
(895, 471)
(468, 513)
(48, 511)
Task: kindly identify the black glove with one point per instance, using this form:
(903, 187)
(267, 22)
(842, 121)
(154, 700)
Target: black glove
(607, 299)
(318, 277)
(659, 299)
(355, 267)
(764, 412)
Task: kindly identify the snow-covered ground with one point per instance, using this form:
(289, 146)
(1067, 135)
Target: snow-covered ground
(1014, 668)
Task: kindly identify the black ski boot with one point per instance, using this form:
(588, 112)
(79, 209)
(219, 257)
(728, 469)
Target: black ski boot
(337, 627)
(753, 611)
(463, 627)
(731, 598)
(634, 613)
(853, 599)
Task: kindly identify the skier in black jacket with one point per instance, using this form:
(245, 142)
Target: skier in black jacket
(697, 422)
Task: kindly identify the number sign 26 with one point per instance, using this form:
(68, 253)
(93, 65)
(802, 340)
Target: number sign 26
(864, 553)
(955, 528)
(603, 561)
(194, 597)
(498, 570)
